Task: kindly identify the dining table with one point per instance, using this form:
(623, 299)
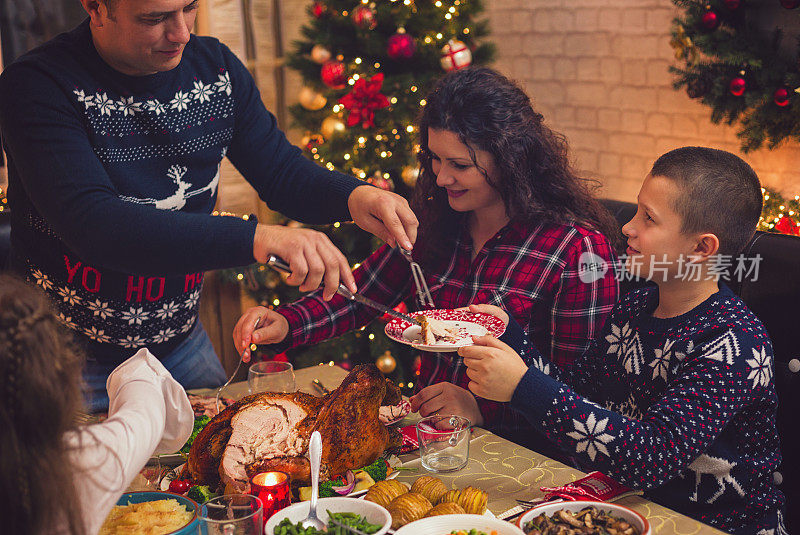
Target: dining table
(504, 470)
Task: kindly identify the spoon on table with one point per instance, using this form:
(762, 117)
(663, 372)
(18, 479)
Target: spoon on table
(315, 456)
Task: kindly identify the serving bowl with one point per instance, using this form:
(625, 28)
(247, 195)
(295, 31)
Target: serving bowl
(437, 525)
(628, 515)
(152, 496)
(374, 513)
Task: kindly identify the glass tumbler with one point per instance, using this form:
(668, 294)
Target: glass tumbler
(232, 514)
(271, 376)
(443, 442)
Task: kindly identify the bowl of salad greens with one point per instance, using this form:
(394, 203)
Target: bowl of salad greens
(367, 517)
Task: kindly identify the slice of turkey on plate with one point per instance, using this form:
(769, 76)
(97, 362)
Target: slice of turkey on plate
(437, 331)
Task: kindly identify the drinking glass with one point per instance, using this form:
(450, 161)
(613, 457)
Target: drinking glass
(232, 514)
(271, 376)
(443, 442)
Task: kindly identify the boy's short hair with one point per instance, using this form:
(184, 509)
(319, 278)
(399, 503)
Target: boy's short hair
(719, 193)
(110, 5)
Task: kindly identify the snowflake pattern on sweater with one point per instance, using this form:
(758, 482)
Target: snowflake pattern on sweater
(683, 408)
(112, 180)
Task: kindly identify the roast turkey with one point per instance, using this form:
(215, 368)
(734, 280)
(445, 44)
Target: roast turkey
(269, 431)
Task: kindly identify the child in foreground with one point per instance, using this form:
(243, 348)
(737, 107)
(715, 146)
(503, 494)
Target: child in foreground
(56, 475)
(676, 395)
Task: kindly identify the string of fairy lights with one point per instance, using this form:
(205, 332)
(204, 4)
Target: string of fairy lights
(380, 149)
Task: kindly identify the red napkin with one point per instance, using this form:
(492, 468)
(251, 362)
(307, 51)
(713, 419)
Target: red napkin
(410, 442)
(594, 487)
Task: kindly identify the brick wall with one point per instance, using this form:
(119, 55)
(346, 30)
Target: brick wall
(597, 70)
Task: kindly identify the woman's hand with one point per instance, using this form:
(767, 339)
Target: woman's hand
(494, 369)
(272, 328)
(447, 398)
(492, 310)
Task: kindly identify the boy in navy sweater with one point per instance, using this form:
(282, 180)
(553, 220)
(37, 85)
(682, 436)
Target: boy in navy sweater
(675, 396)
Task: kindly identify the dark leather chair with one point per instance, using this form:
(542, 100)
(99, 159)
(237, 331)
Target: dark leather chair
(774, 296)
(5, 239)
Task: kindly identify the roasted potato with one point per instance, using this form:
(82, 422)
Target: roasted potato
(430, 487)
(407, 508)
(383, 492)
(446, 508)
(450, 496)
(473, 500)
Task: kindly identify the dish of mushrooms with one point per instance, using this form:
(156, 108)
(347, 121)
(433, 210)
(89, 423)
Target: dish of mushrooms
(590, 520)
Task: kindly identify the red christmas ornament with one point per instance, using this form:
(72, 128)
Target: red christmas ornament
(318, 9)
(787, 225)
(400, 46)
(737, 86)
(781, 96)
(332, 74)
(790, 4)
(732, 4)
(363, 100)
(710, 20)
(364, 17)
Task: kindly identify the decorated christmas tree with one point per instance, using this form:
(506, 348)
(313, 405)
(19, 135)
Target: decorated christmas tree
(366, 67)
(740, 58)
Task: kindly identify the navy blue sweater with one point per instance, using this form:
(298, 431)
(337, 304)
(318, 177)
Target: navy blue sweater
(682, 408)
(112, 179)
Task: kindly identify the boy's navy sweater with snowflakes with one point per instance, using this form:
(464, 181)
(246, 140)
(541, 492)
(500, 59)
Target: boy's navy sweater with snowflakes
(112, 180)
(682, 408)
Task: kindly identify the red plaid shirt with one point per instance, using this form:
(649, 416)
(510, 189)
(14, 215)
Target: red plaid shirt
(532, 273)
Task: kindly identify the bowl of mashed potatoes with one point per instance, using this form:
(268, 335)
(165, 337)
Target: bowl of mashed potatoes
(152, 513)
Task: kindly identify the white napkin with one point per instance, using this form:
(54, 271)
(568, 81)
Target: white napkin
(143, 366)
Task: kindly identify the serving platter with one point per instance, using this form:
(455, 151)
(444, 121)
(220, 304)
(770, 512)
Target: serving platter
(394, 461)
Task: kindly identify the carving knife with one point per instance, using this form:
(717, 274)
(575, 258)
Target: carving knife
(280, 264)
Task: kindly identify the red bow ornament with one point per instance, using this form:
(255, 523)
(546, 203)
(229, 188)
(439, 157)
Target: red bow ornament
(363, 100)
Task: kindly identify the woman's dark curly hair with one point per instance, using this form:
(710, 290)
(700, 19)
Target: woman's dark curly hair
(489, 112)
(40, 395)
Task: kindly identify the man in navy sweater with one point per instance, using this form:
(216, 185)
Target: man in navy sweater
(114, 133)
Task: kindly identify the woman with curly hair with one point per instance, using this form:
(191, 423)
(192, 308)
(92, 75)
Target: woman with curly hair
(57, 476)
(504, 220)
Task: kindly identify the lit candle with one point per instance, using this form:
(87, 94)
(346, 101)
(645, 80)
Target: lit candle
(272, 488)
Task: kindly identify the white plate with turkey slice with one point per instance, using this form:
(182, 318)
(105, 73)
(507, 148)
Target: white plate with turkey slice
(444, 330)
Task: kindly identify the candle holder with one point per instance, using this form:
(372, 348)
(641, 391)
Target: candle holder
(272, 488)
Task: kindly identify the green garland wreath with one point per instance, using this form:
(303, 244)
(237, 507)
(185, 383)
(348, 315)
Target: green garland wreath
(743, 73)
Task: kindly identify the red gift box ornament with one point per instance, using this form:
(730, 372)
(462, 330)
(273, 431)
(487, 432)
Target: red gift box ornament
(272, 488)
(363, 100)
(455, 55)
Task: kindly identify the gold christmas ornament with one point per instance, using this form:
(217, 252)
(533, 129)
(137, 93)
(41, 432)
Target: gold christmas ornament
(311, 100)
(386, 363)
(409, 174)
(331, 125)
(320, 54)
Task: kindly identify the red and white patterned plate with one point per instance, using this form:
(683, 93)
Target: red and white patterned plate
(472, 324)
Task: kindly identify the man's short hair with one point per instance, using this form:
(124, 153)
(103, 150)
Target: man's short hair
(719, 193)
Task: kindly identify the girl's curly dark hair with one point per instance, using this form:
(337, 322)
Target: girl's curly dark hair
(535, 180)
(40, 396)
